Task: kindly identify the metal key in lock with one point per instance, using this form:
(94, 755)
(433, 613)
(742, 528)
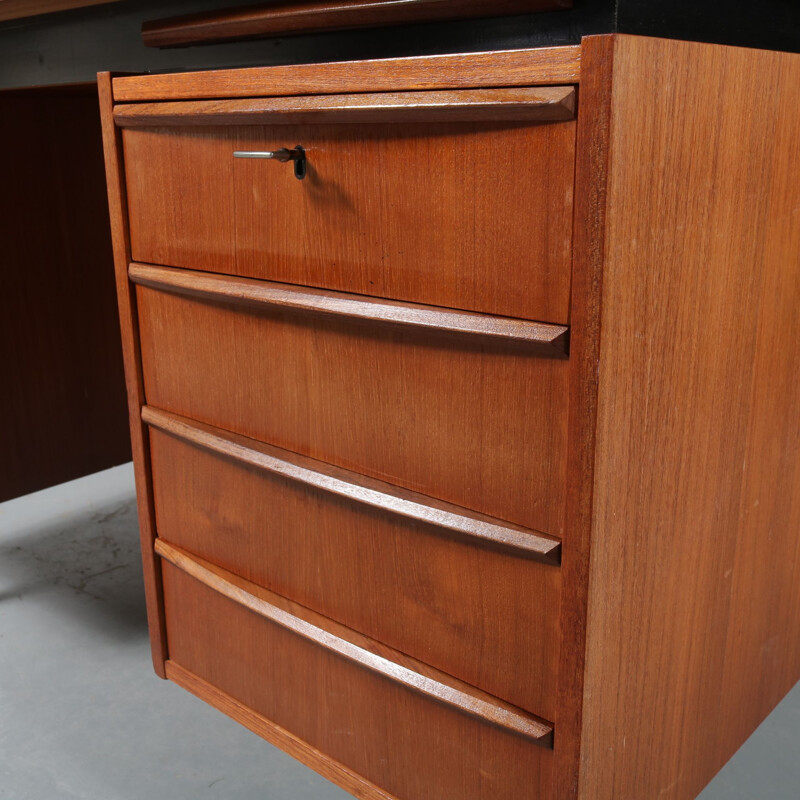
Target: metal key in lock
(296, 154)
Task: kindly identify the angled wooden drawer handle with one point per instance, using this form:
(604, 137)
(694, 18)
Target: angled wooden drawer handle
(523, 104)
(361, 650)
(545, 337)
(522, 542)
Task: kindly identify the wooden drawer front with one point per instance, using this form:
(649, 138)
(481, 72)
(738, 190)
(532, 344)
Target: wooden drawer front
(447, 596)
(407, 732)
(469, 215)
(473, 422)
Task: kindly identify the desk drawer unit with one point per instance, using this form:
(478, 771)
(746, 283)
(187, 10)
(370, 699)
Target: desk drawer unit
(433, 489)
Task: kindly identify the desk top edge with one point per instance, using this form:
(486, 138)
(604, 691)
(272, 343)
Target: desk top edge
(540, 65)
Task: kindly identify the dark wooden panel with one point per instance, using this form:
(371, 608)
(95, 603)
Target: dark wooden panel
(365, 721)
(308, 16)
(15, 9)
(443, 597)
(62, 394)
(399, 406)
(476, 216)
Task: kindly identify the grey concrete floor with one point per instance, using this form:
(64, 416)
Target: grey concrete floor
(83, 717)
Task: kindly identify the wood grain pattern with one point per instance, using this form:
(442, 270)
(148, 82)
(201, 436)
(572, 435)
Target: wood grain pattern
(436, 214)
(447, 599)
(526, 67)
(274, 734)
(539, 104)
(307, 16)
(394, 405)
(552, 338)
(591, 175)
(363, 652)
(380, 495)
(360, 719)
(131, 354)
(694, 607)
(62, 390)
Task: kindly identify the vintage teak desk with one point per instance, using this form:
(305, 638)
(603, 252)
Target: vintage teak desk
(467, 428)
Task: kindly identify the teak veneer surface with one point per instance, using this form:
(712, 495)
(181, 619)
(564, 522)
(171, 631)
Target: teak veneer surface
(360, 719)
(475, 216)
(540, 66)
(397, 405)
(694, 605)
(436, 595)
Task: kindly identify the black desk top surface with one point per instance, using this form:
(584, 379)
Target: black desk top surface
(74, 45)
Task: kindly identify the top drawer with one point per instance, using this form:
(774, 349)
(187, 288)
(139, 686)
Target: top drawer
(473, 214)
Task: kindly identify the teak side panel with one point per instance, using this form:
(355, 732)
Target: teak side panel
(439, 597)
(365, 722)
(478, 425)
(694, 609)
(131, 356)
(527, 67)
(475, 216)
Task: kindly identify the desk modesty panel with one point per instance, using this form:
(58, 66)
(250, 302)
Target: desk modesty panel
(465, 407)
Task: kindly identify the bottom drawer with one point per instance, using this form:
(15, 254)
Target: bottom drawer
(403, 727)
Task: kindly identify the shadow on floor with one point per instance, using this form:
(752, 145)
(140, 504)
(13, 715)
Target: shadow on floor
(92, 557)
